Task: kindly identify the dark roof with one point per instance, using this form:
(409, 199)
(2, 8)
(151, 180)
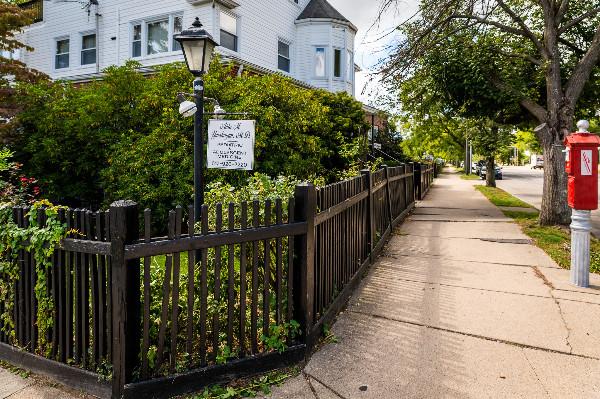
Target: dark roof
(321, 9)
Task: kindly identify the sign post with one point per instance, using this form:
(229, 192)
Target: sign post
(231, 144)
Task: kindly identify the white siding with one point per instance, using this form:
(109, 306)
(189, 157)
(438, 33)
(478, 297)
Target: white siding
(261, 23)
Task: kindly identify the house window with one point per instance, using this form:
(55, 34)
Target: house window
(158, 37)
(320, 62)
(229, 31)
(88, 49)
(284, 56)
(177, 28)
(62, 54)
(337, 63)
(349, 66)
(136, 44)
(155, 36)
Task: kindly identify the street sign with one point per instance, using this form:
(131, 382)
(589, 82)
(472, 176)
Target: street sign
(586, 162)
(231, 144)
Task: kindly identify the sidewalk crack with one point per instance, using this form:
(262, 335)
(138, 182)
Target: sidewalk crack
(310, 385)
(551, 289)
(537, 377)
(310, 376)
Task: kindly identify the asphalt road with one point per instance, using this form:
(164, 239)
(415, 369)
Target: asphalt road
(528, 184)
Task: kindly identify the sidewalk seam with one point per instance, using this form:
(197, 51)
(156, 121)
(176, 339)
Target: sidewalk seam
(489, 290)
(404, 255)
(482, 337)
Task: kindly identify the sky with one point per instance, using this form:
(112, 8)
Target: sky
(373, 41)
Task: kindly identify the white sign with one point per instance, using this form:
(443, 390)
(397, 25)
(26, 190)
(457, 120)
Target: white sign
(586, 162)
(231, 144)
(377, 146)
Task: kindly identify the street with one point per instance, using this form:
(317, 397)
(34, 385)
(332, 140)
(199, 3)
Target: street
(527, 184)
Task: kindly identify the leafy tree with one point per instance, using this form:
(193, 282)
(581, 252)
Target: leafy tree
(12, 20)
(558, 40)
(489, 140)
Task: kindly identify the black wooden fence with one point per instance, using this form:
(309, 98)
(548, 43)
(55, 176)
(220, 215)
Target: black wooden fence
(245, 291)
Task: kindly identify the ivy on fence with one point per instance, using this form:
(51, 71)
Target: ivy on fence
(39, 239)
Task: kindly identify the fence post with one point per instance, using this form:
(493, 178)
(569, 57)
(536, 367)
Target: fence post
(124, 229)
(389, 195)
(305, 198)
(418, 180)
(370, 212)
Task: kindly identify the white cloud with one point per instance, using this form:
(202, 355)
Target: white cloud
(374, 37)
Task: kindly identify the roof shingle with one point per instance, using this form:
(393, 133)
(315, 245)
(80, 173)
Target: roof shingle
(321, 9)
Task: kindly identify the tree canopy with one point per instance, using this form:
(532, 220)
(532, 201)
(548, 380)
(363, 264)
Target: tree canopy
(540, 56)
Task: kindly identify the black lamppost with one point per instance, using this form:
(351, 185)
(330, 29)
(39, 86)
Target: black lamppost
(198, 46)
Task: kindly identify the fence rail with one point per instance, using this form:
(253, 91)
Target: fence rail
(247, 289)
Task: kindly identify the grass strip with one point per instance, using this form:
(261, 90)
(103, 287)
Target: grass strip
(554, 240)
(500, 197)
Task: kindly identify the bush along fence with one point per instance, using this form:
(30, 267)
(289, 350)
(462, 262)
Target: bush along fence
(119, 313)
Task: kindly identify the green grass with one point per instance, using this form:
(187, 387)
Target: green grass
(472, 176)
(554, 240)
(500, 197)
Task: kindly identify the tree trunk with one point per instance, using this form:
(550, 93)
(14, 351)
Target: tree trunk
(490, 174)
(555, 210)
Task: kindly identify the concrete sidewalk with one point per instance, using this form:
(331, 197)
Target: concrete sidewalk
(460, 305)
(13, 386)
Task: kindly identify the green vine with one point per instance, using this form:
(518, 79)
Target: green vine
(39, 240)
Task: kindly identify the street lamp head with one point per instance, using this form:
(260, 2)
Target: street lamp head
(198, 46)
(186, 108)
(219, 112)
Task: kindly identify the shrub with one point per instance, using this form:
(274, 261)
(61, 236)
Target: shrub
(123, 137)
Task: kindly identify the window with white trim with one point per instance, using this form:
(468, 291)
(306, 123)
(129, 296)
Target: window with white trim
(229, 31)
(337, 63)
(88, 49)
(283, 54)
(320, 62)
(61, 60)
(155, 36)
(349, 66)
(177, 28)
(136, 43)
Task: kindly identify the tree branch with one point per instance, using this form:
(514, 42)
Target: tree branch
(526, 57)
(523, 26)
(568, 25)
(485, 21)
(534, 108)
(562, 10)
(572, 46)
(582, 72)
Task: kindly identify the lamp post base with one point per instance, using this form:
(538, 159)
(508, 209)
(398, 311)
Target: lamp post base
(581, 227)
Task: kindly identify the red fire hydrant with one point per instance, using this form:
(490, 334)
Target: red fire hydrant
(582, 168)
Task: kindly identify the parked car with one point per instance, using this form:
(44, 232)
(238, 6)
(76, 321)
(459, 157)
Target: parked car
(480, 164)
(537, 162)
(474, 167)
(497, 169)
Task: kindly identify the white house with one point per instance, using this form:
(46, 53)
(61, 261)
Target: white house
(308, 40)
